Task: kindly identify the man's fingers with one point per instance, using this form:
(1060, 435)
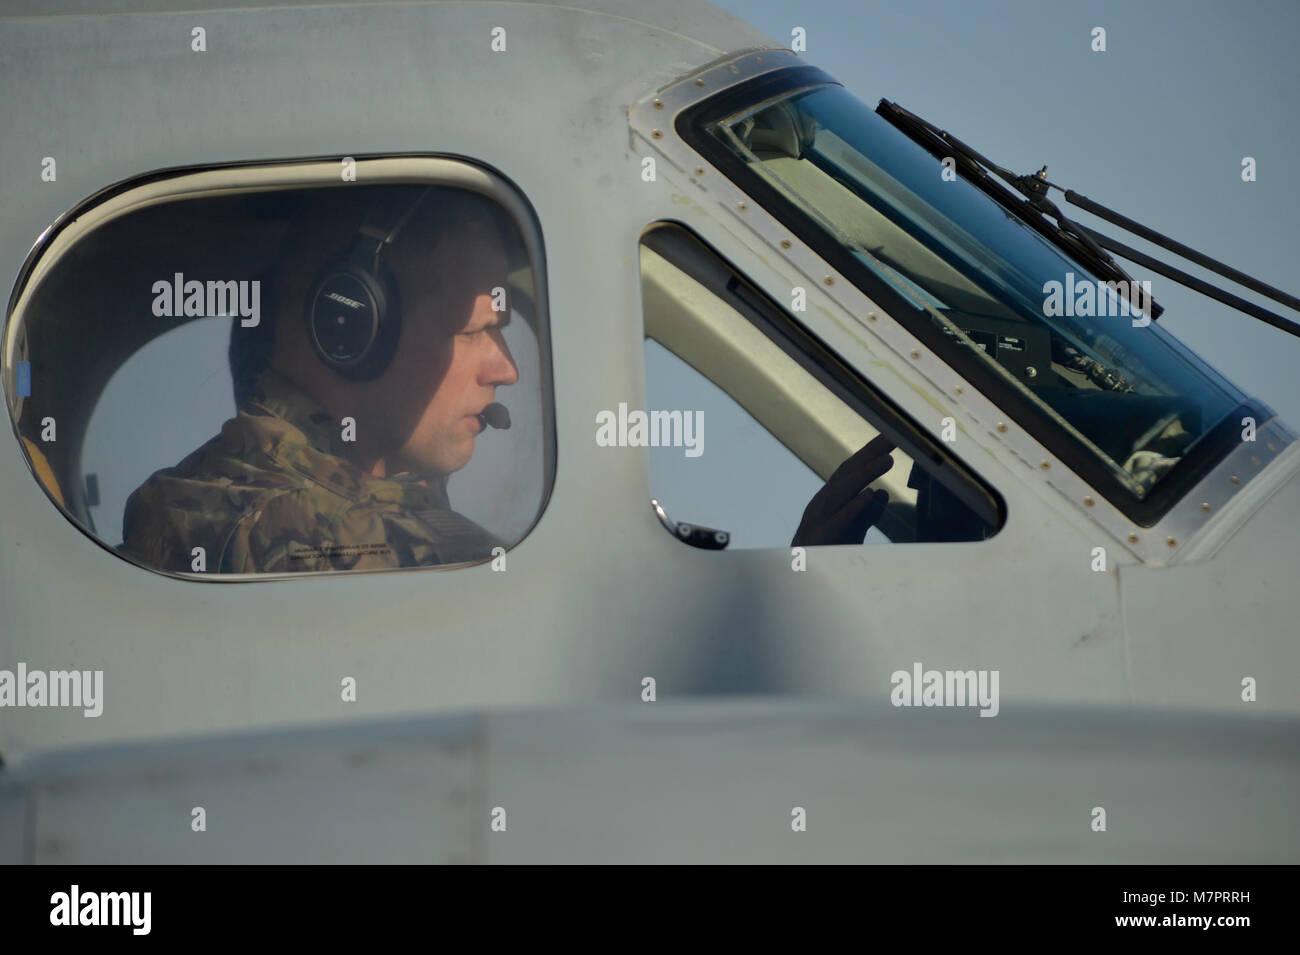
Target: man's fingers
(848, 525)
(877, 446)
(862, 513)
(855, 474)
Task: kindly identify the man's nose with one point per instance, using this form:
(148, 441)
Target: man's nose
(499, 366)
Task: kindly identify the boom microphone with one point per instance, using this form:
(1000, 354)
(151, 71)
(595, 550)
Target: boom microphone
(495, 415)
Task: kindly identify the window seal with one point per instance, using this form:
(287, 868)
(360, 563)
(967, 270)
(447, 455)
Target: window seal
(180, 183)
(1207, 454)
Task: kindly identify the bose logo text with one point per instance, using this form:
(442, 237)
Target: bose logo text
(343, 299)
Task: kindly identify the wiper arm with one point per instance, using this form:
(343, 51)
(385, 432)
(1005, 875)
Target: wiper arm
(1073, 237)
(1083, 242)
(1176, 247)
(1200, 258)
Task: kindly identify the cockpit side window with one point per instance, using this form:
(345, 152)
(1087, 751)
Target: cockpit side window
(290, 378)
(782, 412)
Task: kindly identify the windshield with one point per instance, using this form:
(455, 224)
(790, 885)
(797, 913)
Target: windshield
(1085, 352)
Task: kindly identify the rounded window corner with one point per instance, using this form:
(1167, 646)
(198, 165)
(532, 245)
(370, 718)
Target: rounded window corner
(178, 354)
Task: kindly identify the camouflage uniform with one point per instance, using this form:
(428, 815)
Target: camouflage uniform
(275, 492)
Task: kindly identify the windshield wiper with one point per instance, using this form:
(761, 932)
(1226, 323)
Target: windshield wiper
(1084, 243)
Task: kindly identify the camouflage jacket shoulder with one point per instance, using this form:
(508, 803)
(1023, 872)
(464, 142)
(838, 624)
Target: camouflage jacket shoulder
(274, 492)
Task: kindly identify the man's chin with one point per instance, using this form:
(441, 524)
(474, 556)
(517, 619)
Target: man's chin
(444, 464)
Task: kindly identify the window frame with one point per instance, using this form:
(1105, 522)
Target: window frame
(176, 184)
(1211, 451)
(722, 278)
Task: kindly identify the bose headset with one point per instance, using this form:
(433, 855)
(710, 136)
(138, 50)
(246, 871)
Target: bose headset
(353, 315)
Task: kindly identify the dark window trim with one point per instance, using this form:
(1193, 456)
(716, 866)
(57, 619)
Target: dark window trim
(1204, 456)
(73, 508)
(729, 283)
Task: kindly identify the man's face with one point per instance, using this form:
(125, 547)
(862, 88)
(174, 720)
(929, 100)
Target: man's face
(452, 355)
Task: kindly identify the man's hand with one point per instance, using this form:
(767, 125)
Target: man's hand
(843, 511)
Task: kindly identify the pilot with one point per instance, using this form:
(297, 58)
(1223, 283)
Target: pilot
(344, 438)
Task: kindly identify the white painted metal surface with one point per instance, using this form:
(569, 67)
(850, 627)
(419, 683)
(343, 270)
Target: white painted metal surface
(693, 783)
(598, 596)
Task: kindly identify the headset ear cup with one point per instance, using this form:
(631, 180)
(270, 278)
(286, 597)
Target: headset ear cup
(388, 331)
(353, 314)
(353, 319)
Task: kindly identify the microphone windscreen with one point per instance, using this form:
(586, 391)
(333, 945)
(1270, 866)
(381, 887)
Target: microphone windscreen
(496, 416)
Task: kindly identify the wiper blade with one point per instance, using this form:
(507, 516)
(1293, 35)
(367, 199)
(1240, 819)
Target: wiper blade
(1085, 243)
(1033, 209)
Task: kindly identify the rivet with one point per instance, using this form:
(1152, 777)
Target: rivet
(785, 243)
(659, 104)
(699, 170)
(1002, 428)
(1269, 445)
(656, 134)
(1132, 538)
(1171, 542)
(1088, 502)
(871, 316)
(758, 59)
(829, 280)
(1205, 505)
(1234, 479)
(699, 82)
(957, 390)
(915, 354)
(1044, 465)
(1254, 460)
(741, 206)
